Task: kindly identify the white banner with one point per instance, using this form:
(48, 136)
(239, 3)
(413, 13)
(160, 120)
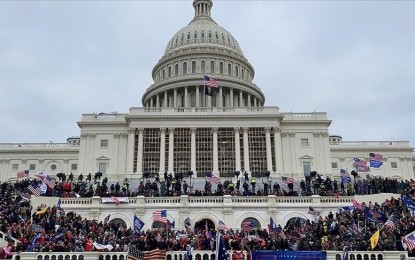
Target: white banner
(114, 199)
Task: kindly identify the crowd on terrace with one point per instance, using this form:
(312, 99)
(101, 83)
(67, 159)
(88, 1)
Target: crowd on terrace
(54, 230)
(177, 185)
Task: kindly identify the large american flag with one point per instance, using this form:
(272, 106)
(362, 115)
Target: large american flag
(160, 215)
(409, 240)
(210, 177)
(375, 157)
(360, 162)
(211, 82)
(34, 189)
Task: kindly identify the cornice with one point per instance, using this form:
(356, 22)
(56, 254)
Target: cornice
(204, 117)
(365, 148)
(42, 151)
(105, 123)
(307, 122)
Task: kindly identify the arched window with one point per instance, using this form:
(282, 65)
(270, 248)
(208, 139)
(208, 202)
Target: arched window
(212, 67)
(176, 70)
(221, 67)
(243, 73)
(236, 71)
(229, 69)
(193, 66)
(184, 68)
(169, 72)
(164, 74)
(203, 66)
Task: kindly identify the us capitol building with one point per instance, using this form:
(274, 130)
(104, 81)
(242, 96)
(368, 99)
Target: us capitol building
(180, 129)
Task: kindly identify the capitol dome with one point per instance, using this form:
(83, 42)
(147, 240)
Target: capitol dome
(203, 30)
(203, 48)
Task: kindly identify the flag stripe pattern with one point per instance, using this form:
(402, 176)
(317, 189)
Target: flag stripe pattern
(48, 181)
(390, 224)
(155, 254)
(375, 157)
(160, 215)
(211, 82)
(34, 189)
(212, 178)
(409, 240)
(23, 174)
(247, 225)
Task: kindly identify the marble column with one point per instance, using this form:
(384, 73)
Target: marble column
(162, 150)
(140, 151)
(268, 148)
(246, 150)
(237, 150)
(215, 150)
(171, 150)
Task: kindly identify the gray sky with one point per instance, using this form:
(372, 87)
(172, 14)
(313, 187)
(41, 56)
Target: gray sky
(354, 60)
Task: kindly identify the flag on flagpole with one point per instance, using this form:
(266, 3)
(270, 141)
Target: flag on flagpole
(107, 218)
(313, 212)
(48, 181)
(211, 82)
(221, 253)
(211, 177)
(58, 205)
(172, 224)
(409, 240)
(187, 223)
(138, 225)
(390, 224)
(23, 174)
(34, 189)
(41, 174)
(272, 225)
(247, 225)
(374, 239)
(221, 225)
(160, 215)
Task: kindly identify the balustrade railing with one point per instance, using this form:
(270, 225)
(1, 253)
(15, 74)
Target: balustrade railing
(200, 255)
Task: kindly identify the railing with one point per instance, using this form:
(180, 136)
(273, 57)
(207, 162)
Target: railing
(4, 239)
(200, 254)
(36, 145)
(372, 143)
(191, 110)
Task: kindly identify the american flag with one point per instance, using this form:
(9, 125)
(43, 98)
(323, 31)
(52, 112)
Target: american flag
(247, 225)
(375, 157)
(356, 204)
(210, 177)
(160, 215)
(409, 240)
(287, 180)
(41, 174)
(34, 189)
(313, 212)
(390, 224)
(222, 225)
(360, 162)
(48, 181)
(155, 254)
(211, 82)
(23, 174)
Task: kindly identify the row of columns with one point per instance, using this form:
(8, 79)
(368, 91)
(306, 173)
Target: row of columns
(238, 166)
(229, 96)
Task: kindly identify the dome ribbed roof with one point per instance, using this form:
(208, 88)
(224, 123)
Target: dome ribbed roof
(203, 30)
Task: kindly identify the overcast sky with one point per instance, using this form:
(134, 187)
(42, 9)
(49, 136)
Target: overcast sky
(354, 60)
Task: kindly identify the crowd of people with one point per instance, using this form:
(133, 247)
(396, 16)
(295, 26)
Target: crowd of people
(54, 230)
(170, 185)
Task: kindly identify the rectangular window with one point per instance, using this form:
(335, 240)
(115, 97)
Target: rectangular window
(306, 168)
(15, 167)
(103, 168)
(334, 165)
(32, 167)
(74, 166)
(104, 143)
(304, 142)
(394, 165)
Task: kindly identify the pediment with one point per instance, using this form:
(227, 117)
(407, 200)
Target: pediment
(103, 158)
(306, 157)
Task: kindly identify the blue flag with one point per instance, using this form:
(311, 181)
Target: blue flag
(138, 225)
(272, 225)
(172, 224)
(407, 202)
(374, 215)
(221, 252)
